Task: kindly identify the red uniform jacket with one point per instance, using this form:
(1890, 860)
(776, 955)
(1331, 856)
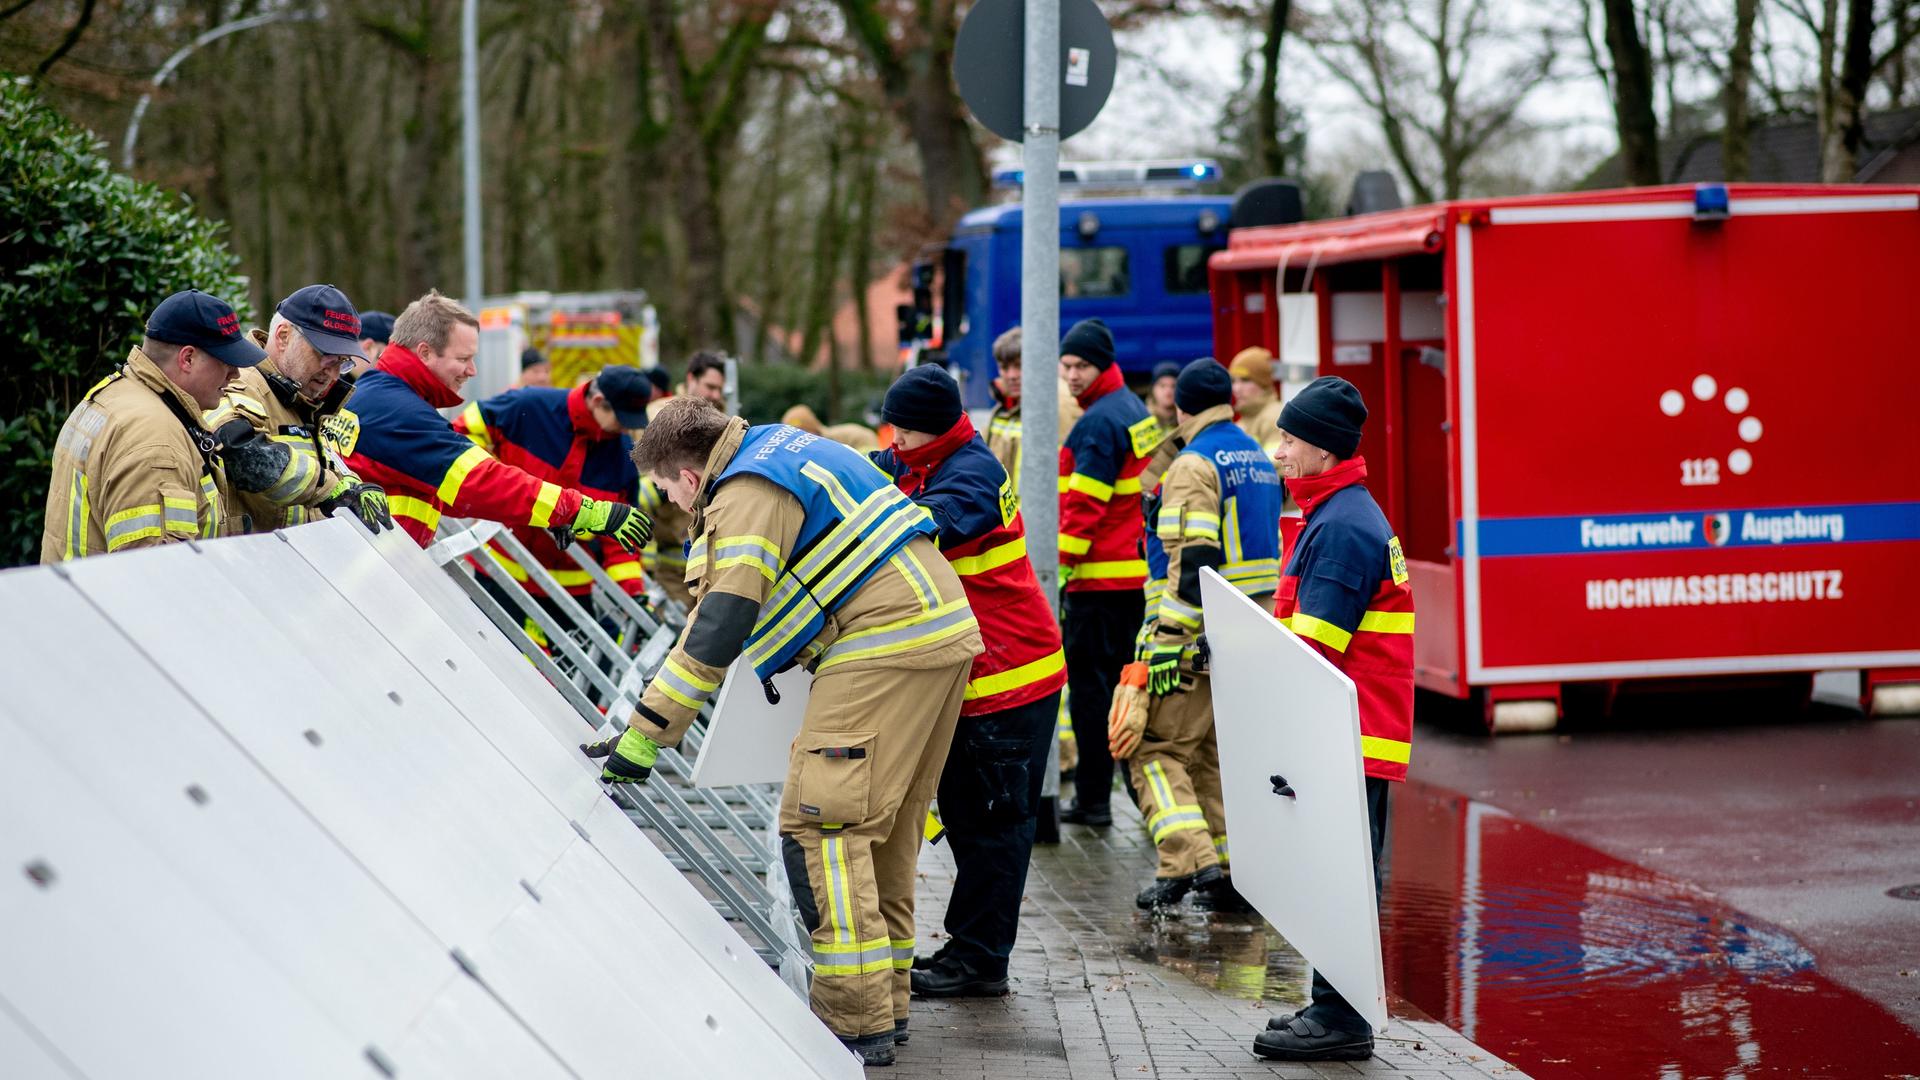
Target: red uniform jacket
(552, 434)
(957, 479)
(1100, 524)
(393, 437)
(1344, 590)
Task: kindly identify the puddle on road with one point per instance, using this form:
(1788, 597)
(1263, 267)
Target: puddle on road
(1565, 961)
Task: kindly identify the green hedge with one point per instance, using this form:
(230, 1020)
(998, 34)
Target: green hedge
(767, 390)
(85, 253)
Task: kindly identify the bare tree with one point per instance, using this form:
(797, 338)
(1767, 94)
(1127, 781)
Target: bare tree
(1846, 66)
(1269, 146)
(1633, 94)
(1419, 66)
(1734, 134)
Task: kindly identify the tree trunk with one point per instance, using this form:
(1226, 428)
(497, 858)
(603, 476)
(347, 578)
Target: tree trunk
(1269, 153)
(861, 275)
(1735, 138)
(772, 281)
(1633, 95)
(826, 269)
(693, 187)
(951, 168)
(1845, 124)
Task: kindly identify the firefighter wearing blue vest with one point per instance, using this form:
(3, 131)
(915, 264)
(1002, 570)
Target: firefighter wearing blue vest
(805, 553)
(1218, 506)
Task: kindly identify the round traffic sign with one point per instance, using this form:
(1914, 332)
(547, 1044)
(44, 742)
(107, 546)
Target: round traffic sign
(989, 62)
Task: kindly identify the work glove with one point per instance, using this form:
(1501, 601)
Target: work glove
(1127, 718)
(628, 527)
(367, 501)
(1163, 669)
(630, 757)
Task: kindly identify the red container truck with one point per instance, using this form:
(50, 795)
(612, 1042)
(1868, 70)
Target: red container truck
(1657, 433)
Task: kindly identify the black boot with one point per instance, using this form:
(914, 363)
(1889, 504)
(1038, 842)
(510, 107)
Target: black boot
(1166, 892)
(1222, 898)
(872, 1050)
(921, 963)
(900, 1031)
(1098, 817)
(1301, 1039)
(953, 977)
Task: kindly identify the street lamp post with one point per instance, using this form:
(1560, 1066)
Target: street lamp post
(180, 56)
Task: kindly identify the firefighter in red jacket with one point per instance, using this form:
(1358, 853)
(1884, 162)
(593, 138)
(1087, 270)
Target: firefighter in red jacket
(575, 438)
(1344, 591)
(1100, 554)
(393, 437)
(990, 788)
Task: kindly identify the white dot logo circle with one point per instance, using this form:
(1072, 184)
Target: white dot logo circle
(1736, 400)
(1739, 462)
(1671, 403)
(1704, 387)
(1750, 428)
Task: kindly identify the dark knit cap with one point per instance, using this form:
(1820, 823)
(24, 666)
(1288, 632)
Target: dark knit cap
(1204, 384)
(1166, 369)
(377, 325)
(1090, 340)
(925, 399)
(1328, 414)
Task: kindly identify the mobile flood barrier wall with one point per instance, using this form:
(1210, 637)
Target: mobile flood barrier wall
(276, 805)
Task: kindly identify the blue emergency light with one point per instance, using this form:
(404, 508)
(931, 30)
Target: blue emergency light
(1710, 202)
(1180, 174)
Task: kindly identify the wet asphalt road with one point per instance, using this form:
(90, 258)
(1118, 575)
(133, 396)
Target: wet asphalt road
(1801, 816)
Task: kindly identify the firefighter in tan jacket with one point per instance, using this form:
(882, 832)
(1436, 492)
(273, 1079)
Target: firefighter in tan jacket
(133, 467)
(289, 397)
(1255, 404)
(1218, 506)
(805, 553)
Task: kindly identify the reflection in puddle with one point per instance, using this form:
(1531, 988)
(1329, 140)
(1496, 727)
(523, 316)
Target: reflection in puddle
(1563, 960)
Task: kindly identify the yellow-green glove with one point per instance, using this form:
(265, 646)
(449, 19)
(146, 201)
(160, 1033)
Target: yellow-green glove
(367, 501)
(628, 527)
(630, 757)
(1163, 669)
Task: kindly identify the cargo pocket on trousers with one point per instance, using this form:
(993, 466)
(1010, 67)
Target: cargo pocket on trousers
(833, 776)
(1004, 776)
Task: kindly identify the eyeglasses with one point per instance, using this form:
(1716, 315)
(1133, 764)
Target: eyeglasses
(341, 364)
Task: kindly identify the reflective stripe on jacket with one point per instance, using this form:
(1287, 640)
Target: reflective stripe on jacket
(973, 502)
(552, 434)
(1345, 591)
(1100, 467)
(393, 437)
(126, 471)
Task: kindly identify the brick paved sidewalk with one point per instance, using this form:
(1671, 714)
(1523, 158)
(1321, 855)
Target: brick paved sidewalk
(1102, 992)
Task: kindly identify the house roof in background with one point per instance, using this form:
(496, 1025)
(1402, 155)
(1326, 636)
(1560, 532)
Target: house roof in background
(1782, 151)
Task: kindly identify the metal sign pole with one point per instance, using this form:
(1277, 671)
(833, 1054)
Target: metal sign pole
(1040, 294)
(470, 146)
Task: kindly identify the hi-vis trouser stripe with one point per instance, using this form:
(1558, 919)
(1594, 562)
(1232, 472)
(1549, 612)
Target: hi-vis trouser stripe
(1169, 818)
(845, 955)
(684, 686)
(902, 954)
(1220, 848)
(950, 618)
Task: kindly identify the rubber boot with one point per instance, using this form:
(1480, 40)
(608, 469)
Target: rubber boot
(1166, 892)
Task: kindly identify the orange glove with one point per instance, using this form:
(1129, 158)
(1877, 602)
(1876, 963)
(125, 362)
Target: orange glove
(1127, 719)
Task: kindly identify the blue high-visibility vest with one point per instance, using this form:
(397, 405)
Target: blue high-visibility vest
(1250, 499)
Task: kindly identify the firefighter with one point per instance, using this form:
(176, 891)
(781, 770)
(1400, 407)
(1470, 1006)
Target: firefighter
(1160, 402)
(535, 370)
(376, 329)
(132, 466)
(293, 476)
(393, 436)
(990, 789)
(805, 554)
(1255, 405)
(577, 439)
(665, 557)
(1345, 593)
(1218, 506)
(1100, 554)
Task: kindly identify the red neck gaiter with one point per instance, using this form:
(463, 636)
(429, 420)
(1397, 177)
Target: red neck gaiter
(920, 462)
(1109, 381)
(1311, 491)
(401, 363)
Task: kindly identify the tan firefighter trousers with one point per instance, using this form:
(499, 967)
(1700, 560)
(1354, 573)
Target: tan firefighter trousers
(1176, 778)
(860, 777)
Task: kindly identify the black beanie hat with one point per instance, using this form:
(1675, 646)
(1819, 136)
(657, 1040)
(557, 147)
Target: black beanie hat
(1165, 369)
(925, 399)
(1202, 385)
(1090, 340)
(1328, 414)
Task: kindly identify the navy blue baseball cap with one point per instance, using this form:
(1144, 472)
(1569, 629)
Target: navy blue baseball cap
(376, 325)
(205, 322)
(326, 318)
(627, 390)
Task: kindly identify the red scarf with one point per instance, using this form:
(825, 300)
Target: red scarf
(1007, 401)
(919, 462)
(1311, 491)
(401, 363)
(1109, 381)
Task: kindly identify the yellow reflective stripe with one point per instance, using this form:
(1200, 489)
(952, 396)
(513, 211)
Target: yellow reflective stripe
(301, 467)
(1232, 510)
(950, 618)
(1075, 545)
(862, 958)
(406, 506)
(1129, 485)
(1156, 772)
(519, 573)
(992, 558)
(1204, 525)
(916, 574)
(1387, 622)
(1179, 819)
(1175, 610)
(136, 523)
(839, 892)
(682, 685)
(1087, 485)
(1016, 677)
(476, 426)
(79, 509)
(624, 571)
(1120, 569)
(1318, 630)
(456, 475)
(210, 495)
(708, 685)
(543, 505)
(1386, 749)
(1167, 526)
(843, 499)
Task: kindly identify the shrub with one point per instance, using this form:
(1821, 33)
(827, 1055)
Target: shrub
(767, 390)
(85, 253)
